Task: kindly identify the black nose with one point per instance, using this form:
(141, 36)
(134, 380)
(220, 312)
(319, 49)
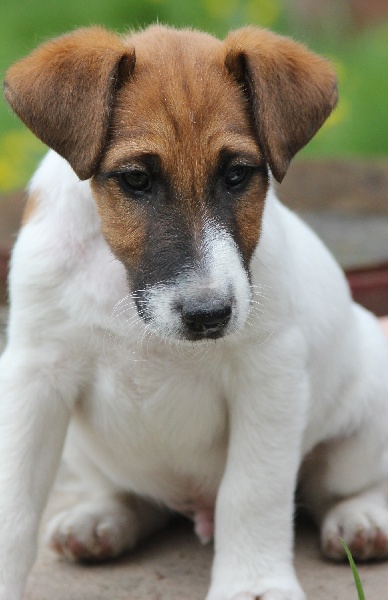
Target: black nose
(206, 320)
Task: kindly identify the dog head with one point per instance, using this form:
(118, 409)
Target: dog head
(177, 131)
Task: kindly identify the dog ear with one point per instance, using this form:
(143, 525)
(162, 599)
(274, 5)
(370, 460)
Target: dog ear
(291, 91)
(64, 92)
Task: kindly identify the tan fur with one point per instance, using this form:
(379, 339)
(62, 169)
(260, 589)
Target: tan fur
(30, 208)
(293, 91)
(123, 224)
(65, 89)
(248, 218)
(185, 121)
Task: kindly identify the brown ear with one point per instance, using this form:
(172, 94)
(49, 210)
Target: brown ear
(65, 89)
(291, 91)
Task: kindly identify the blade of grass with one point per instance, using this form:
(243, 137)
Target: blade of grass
(356, 576)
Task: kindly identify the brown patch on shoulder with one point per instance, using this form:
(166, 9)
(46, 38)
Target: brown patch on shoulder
(30, 207)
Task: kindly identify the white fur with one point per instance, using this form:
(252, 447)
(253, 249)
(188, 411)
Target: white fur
(187, 425)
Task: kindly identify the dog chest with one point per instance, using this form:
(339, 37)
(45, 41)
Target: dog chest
(158, 429)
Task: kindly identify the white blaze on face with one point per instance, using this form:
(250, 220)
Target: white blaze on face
(218, 279)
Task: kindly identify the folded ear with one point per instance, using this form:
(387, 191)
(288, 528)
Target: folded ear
(64, 92)
(291, 91)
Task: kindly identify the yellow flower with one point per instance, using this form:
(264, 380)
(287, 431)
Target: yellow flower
(20, 150)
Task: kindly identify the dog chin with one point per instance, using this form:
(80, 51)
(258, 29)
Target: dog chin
(180, 335)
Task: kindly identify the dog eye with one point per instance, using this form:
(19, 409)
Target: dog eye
(136, 180)
(236, 175)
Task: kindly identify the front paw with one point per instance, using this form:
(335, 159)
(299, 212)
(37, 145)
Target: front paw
(269, 595)
(362, 525)
(94, 531)
(261, 592)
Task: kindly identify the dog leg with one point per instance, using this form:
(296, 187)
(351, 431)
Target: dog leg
(254, 509)
(341, 492)
(104, 528)
(344, 481)
(108, 521)
(37, 392)
(362, 522)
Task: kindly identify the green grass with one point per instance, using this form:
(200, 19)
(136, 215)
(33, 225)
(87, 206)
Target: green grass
(357, 128)
(356, 576)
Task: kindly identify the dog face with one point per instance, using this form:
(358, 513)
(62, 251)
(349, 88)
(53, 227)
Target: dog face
(177, 131)
(181, 189)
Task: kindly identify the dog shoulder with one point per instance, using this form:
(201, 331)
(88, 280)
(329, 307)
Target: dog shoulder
(60, 242)
(59, 215)
(55, 192)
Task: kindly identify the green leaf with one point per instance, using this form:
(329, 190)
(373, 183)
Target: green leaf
(356, 576)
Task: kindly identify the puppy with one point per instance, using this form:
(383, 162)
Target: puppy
(191, 338)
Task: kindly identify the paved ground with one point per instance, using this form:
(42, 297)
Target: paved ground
(174, 566)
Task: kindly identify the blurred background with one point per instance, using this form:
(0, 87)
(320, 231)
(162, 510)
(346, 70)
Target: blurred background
(352, 33)
(338, 183)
